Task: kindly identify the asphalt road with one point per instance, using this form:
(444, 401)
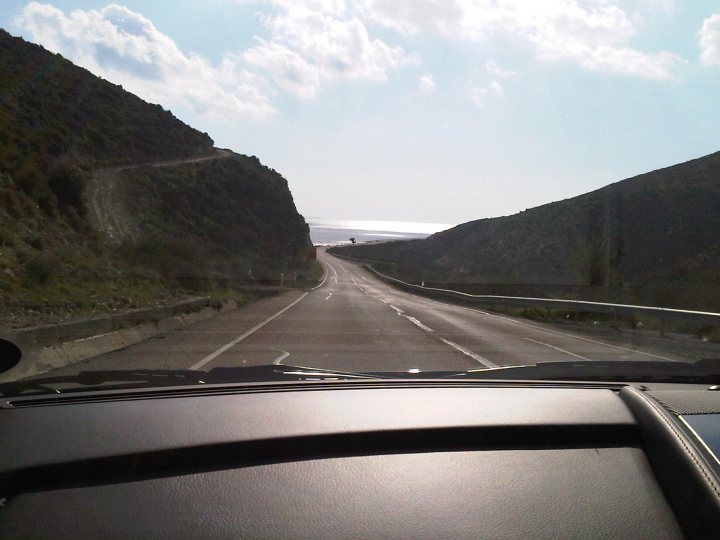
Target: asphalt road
(354, 322)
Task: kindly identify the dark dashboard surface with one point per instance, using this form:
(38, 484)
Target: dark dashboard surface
(385, 461)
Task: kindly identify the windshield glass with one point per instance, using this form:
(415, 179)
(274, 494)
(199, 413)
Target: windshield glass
(343, 189)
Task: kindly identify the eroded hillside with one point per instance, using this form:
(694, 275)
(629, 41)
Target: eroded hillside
(79, 154)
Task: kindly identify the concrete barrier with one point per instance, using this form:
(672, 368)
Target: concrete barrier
(52, 347)
(42, 336)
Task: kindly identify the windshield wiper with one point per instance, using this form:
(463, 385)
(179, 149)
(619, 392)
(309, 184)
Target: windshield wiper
(149, 378)
(705, 371)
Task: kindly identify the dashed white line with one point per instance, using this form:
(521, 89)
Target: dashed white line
(328, 296)
(397, 309)
(417, 323)
(557, 348)
(359, 286)
(508, 319)
(238, 339)
(481, 360)
(637, 351)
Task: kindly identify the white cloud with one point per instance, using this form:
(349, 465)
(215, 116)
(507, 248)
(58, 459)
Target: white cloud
(594, 34)
(287, 68)
(664, 6)
(480, 95)
(330, 7)
(710, 40)
(126, 48)
(411, 16)
(494, 70)
(427, 84)
(315, 42)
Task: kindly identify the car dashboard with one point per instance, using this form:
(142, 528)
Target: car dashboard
(363, 459)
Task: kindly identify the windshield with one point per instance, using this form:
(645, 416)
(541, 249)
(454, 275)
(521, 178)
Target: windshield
(352, 189)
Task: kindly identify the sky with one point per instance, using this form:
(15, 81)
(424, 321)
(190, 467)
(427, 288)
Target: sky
(437, 111)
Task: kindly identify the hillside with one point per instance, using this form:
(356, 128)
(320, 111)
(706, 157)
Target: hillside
(225, 217)
(651, 238)
(65, 137)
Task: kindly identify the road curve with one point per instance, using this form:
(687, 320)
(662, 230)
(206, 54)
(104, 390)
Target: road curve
(354, 322)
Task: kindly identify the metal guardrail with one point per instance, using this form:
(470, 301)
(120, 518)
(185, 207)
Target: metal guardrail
(700, 317)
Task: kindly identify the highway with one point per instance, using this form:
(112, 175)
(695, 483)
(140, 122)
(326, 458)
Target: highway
(354, 322)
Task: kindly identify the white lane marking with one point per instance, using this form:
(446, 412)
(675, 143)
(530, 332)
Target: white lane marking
(542, 329)
(343, 268)
(359, 286)
(238, 339)
(585, 339)
(480, 359)
(486, 361)
(335, 275)
(417, 323)
(328, 296)
(325, 276)
(280, 358)
(399, 311)
(557, 349)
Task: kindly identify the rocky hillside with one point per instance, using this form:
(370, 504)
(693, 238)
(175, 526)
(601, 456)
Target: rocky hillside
(654, 237)
(225, 217)
(63, 133)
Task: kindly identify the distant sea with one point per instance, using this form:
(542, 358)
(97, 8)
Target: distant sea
(339, 231)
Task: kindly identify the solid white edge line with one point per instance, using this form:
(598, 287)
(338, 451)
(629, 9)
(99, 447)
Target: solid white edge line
(238, 339)
(325, 276)
(557, 348)
(588, 339)
(335, 274)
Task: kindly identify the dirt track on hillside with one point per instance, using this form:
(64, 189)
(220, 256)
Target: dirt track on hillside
(106, 211)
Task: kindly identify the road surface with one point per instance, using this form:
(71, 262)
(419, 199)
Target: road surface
(354, 322)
